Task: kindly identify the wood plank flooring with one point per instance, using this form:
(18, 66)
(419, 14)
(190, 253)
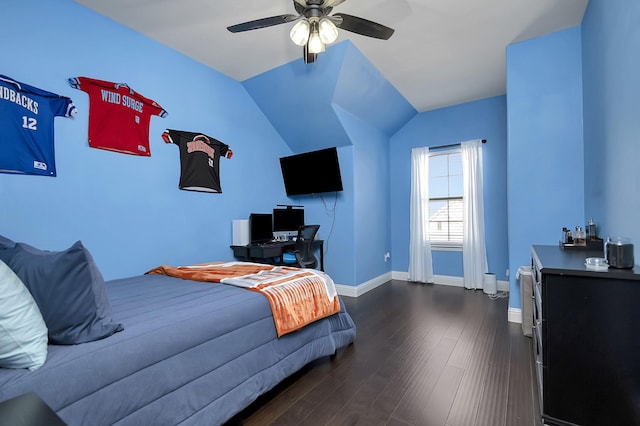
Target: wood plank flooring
(424, 355)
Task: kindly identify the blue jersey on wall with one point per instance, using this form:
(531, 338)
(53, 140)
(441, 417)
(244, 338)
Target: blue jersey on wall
(26, 127)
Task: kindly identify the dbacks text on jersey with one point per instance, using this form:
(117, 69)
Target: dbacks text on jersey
(27, 127)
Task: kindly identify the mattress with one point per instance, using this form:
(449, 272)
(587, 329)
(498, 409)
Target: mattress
(191, 353)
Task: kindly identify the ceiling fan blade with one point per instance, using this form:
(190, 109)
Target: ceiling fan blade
(300, 6)
(332, 3)
(362, 26)
(262, 23)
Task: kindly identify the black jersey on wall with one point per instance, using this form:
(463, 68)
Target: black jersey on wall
(199, 159)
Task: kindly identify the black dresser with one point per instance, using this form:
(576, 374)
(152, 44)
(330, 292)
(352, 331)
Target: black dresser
(586, 339)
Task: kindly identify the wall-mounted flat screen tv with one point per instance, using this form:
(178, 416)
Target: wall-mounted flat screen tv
(312, 172)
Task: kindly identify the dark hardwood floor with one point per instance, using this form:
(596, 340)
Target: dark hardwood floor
(424, 355)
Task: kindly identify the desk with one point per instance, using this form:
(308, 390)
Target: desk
(261, 253)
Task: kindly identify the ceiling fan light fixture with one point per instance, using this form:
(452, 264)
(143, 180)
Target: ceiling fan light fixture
(314, 28)
(315, 43)
(300, 32)
(328, 31)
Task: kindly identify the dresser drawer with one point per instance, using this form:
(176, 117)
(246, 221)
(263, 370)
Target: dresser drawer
(537, 307)
(538, 364)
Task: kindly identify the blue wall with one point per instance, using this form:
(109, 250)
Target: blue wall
(342, 100)
(611, 46)
(128, 210)
(130, 213)
(484, 119)
(297, 97)
(334, 212)
(545, 150)
(371, 227)
(306, 101)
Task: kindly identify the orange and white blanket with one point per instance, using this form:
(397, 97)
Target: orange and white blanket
(297, 296)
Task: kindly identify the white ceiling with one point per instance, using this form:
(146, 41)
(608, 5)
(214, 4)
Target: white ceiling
(443, 52)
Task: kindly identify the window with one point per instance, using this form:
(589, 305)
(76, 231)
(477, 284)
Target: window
(445, 199)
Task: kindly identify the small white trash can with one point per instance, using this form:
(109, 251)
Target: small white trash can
(490, 284)
(525, 278)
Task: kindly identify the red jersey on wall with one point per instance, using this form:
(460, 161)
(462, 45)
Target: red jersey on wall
(118, 116)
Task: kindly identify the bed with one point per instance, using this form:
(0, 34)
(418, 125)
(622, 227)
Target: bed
(188, 353)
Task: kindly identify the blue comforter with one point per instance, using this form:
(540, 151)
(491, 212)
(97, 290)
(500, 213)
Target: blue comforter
(191, 353)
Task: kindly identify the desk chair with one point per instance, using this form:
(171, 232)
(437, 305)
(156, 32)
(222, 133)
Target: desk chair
(303, 256)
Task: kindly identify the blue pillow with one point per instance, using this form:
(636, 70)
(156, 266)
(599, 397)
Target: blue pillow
(69, 290)
(6, 243)
(23, 333)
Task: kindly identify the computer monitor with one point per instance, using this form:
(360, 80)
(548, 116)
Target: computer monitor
(286, 221)
(260, 227)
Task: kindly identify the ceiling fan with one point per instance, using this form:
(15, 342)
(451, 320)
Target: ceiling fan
(315, 27)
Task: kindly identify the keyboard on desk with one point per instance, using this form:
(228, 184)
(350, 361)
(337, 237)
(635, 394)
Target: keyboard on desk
(274, 244)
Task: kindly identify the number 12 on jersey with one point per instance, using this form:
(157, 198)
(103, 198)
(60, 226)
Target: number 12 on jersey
(29, 123)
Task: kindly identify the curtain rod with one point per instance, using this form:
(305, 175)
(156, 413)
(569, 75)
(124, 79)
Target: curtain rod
(451, 145)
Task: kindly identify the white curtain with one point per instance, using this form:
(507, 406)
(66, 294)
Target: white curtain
(474, 252)
(420, 263)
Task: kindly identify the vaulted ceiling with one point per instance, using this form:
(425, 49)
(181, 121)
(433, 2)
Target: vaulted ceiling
(443, 52)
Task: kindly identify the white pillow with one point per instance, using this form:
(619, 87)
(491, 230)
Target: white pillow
(23, 333)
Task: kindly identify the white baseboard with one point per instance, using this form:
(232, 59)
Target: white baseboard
(360, 289)
(402, 276)
(355, 291)
(448, 280)
(514, 315)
